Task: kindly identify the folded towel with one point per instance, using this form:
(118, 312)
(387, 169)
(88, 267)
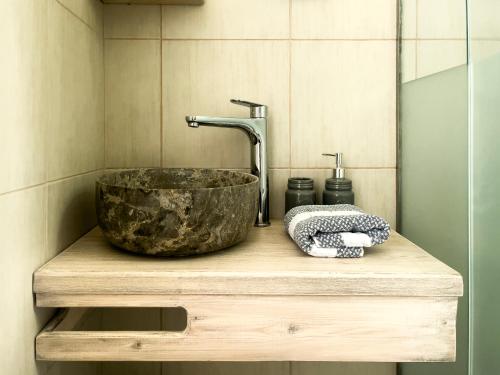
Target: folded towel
(336, 231)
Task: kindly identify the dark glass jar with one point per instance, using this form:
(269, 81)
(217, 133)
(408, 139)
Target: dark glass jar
(338, 191)
(300, 192)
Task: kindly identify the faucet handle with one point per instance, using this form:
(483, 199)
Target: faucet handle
(256, 110)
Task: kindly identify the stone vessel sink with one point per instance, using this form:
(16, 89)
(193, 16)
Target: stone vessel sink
(176, 212)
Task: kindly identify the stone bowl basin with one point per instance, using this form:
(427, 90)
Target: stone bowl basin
(176, 212)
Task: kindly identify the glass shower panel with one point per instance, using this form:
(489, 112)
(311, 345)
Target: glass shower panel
(433, 186)
(433, 139)
(449, 179)
(433, 37)
(484, 143)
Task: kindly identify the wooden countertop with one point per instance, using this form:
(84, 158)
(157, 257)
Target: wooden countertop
(268, 263)
(262, 300)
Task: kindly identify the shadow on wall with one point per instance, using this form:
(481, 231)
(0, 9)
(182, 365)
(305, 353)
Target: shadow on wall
(72, 203)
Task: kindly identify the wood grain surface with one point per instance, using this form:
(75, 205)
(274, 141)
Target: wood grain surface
(268, 263)
(277, 328)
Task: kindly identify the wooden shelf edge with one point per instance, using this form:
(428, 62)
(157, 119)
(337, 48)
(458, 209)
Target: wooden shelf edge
(272, 329)
(268, 263)
(78, 288)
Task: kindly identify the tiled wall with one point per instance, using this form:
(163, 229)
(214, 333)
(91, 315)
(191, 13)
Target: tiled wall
(325, 68)
(485, 33)
(51, 150)
(433, 37)
(434, 34)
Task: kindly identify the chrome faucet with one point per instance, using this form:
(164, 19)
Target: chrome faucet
(256, 129)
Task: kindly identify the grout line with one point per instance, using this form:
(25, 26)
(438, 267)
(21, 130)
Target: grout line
(329, 167)
(435, 39)
(128, 38)
(104, 95)
(290, 83)
(284, 39)
(48, 182)
(415, 70)
(75, 15)
(260, 39)
(161, 87)
(147, 167)
(136, 4)
(56, 180)
(399, 79)
(295, 39)
(416, 19)
(416, 40)
(485, 39)
(46, 239)
(46, 161)
(28, 187)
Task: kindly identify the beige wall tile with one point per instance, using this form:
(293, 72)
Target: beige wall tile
(368, 19)
(483, 49)
(89, 11)
(23, 108)
(331, 368)
(278, 184)
(343, 100)
(23, 244)
(228, 19)
(76, 127)
(434, 56)
(374, 189)
(126, 21)
(132, 103)
(484, 19)
(229, 368)
(443, 19)
(199, 78)
(408, 60)
(52, 62)
(409, 19)
(71, 210)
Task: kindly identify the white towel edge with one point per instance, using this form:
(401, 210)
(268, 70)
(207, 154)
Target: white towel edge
(328, 252)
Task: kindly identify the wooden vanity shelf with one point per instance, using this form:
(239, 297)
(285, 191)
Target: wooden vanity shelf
(262, 300)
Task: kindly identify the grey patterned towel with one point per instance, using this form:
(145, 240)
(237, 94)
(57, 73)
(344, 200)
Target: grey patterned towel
(337, 231)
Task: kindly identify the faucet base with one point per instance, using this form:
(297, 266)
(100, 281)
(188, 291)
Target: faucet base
(261, 225)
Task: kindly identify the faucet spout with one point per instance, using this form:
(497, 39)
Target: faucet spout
(256, 129)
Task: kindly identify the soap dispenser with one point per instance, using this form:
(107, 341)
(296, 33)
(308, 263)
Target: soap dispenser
(338, 189)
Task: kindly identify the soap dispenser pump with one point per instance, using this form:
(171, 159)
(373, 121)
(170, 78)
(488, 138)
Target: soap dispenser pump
(338, 189)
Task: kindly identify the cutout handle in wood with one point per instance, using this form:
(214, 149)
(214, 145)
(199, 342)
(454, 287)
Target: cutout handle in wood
(63, 339)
